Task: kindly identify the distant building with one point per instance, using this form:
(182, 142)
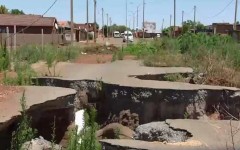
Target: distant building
(80, 30)
(28, 24)
(222, 28)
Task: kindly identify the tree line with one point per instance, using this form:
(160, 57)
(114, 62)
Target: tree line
(5, 10)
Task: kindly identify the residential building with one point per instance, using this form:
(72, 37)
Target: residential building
(28, 24)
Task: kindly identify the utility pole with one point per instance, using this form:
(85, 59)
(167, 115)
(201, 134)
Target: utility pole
(182, 17)
(162, 24)
(126, 14)
(170, 25)
(107, 25)
(103, 23)
(72, 22)
(127, 19)
(87, 23)
(137, 15)
(235, 18)
(95, 22)
(174, 18)
(195, 8)
(134, 22)
(143, 18)
(110, 20)
(170, 20)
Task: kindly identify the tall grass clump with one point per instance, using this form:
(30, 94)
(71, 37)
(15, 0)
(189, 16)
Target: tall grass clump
(24, 75)
(4, 58)
(24, 132)
(201, 45)
(86, 139)
(35, 53)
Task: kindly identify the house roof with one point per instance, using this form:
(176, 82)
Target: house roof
(64, 24)
(26, 20)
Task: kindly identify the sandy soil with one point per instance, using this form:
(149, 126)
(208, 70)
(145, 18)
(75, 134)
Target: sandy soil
(98, 58)
(7, 91)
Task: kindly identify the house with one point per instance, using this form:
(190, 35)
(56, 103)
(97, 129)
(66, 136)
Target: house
(84, 28)
(89, 28)
(222, 28)
(28, 29)
(65, 29)
(28, 24)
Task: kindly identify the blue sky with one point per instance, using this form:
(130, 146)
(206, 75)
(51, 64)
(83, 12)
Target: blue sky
(156, 10)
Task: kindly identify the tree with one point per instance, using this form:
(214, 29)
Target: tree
(114, 27)
(17, 12)
(189, 24)
(3, 9)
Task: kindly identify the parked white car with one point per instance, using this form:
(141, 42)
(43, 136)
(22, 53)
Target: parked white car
(128, 36)
(116, 34)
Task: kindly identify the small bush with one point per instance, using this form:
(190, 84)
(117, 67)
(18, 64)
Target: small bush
(173, 77)
(90, 36)
(4, 58)
(24, 75)
(114, 57)
(87, 136)
(24, 131)
(34, 53)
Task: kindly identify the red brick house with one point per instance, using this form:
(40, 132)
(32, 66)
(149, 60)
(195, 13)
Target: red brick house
(35, 22)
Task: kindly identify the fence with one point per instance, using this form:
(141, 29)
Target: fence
(33, 39)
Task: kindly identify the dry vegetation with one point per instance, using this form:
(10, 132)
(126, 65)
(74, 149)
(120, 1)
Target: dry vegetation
(217, 57)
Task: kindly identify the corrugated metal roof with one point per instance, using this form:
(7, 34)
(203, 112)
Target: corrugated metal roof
(26, 20)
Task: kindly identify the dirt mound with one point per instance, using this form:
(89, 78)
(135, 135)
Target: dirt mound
(125, 118)
(101, 49)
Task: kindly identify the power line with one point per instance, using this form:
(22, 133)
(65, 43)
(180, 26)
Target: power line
(222, 9)
(35, 20)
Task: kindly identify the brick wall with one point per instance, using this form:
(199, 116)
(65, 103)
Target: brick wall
(25, 39)
(30, 30)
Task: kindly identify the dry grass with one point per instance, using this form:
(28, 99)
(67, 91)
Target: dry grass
(215, 57)
(164, 60)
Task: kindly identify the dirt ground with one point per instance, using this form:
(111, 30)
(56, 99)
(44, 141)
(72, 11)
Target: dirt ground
(7, 91)
(99, 58)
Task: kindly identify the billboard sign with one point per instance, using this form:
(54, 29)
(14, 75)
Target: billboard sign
(150, 27)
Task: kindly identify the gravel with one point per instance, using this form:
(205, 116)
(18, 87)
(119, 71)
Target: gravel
(160, 131)
(40, 144)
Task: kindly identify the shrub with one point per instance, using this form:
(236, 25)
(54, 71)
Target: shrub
(24, 75)
(24, 131)
(34, 53)
(86, 140)
(4, 58)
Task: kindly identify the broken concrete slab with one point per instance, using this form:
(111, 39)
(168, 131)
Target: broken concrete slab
(122, 73)
(111, 144)
(34, 96)
(112, 87)
(44, 106)
(212, 135)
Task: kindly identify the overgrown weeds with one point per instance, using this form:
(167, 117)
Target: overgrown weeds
(216, 56)
(24, 131)
(4, 58)
(24, 75)
(86, 139)
(29, 54)
(34, 53)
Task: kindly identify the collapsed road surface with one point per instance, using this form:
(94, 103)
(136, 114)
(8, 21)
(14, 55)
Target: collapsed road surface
(206, 134)
(113, 87)
(43, 105)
